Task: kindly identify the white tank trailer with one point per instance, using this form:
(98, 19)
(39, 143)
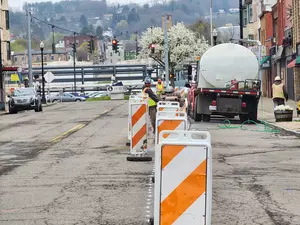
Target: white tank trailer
(226, 84)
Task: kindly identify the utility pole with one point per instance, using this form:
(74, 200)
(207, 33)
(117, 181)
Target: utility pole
(166, 51)
(74, 60)
(241, 21)
(211, 24)
(29, 47)
(136, 44)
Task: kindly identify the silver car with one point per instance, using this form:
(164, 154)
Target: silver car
(24, 99)
(67, 97)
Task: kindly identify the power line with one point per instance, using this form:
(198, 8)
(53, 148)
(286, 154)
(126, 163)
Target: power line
(60, 28)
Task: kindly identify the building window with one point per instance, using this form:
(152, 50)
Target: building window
(45, 58)
(111, 61)
(38, 58)
(8, 50)
(119, 53)
(251, 37)
(16, 59)
(7, 19)
(52, 57)
(111, 54)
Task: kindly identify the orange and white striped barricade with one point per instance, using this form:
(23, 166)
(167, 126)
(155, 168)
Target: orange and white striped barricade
(168, 106)
(138, 130)
(167, 120)
(183, 175)
(132, 98)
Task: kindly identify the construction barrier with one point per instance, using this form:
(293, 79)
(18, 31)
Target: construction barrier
(132, 99)
(168, 120)
(183, 175)
(138, 110)
(168, 106)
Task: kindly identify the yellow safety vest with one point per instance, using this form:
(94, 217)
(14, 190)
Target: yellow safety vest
(151, 102)
(278, 91)
(159, 87)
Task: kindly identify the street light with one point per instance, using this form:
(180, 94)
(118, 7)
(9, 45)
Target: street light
(215, 34)
(43, 78)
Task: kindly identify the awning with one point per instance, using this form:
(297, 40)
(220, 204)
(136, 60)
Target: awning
(265, 59)
(292, 64)
(279, 53)
(298, 60)
(295, 62)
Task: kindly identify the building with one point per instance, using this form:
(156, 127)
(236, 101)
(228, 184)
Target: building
(5, 46)
(296, 47)
(127, 51)
(80, 39)
(21, 58)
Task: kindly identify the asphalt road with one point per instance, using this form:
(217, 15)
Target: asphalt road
(67, 165)
(256, 176)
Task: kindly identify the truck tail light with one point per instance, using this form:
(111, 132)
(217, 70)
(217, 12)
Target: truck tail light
(244, 105)
(214, 103)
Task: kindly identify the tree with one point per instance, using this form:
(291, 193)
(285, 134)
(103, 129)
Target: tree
(133, 16)
(182, 42)
(201, 28)
(83, 21)
(99, 32)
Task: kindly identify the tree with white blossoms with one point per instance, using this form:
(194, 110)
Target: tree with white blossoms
(182, 42)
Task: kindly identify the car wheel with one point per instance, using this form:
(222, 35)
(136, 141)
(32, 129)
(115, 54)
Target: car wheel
(78, 100)
(12, 111)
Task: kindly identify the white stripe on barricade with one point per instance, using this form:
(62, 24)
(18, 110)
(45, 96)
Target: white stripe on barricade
(132, 99)
(183, 178)
(138, 127)
(169, 120)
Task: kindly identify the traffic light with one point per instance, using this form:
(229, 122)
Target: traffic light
(90, 46)
(74, 47)
(152, 47)
(115, 46)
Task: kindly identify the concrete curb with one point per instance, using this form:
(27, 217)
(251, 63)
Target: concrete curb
(284, 131)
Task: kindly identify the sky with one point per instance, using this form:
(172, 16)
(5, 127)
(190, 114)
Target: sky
(17, 4)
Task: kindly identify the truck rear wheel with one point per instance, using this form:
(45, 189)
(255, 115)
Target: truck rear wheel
(197, 117)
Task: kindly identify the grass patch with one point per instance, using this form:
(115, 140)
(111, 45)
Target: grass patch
(104, 98)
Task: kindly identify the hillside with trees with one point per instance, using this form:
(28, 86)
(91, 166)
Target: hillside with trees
(93, 17)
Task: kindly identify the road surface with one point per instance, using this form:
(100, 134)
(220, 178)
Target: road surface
(256, 176)
(68, 165)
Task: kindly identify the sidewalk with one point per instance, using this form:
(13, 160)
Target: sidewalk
(266, 114)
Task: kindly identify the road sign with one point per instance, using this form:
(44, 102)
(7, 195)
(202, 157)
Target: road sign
(49, 77)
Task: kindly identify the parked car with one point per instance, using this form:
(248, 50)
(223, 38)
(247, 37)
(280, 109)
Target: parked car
(24, 99)
(67, 97)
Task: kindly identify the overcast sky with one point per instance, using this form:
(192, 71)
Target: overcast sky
(17, 4)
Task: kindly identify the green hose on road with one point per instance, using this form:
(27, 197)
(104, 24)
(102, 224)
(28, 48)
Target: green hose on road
(260, 127)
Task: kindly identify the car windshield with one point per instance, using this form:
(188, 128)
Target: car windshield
(23, 92)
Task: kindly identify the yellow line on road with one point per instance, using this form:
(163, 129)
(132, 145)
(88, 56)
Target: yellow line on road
(78, 127)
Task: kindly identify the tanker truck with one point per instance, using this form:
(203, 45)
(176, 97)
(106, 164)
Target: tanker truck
(226, 84)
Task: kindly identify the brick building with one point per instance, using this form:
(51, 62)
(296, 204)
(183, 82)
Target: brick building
(296, 46)
(21, 59)
(80, 39)
(5, 46)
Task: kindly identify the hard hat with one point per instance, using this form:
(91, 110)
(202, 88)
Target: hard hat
(277, 78)
(147, 81)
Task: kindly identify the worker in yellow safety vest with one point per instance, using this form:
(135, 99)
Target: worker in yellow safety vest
(152, 102)
(280, 94)
(159, 87)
